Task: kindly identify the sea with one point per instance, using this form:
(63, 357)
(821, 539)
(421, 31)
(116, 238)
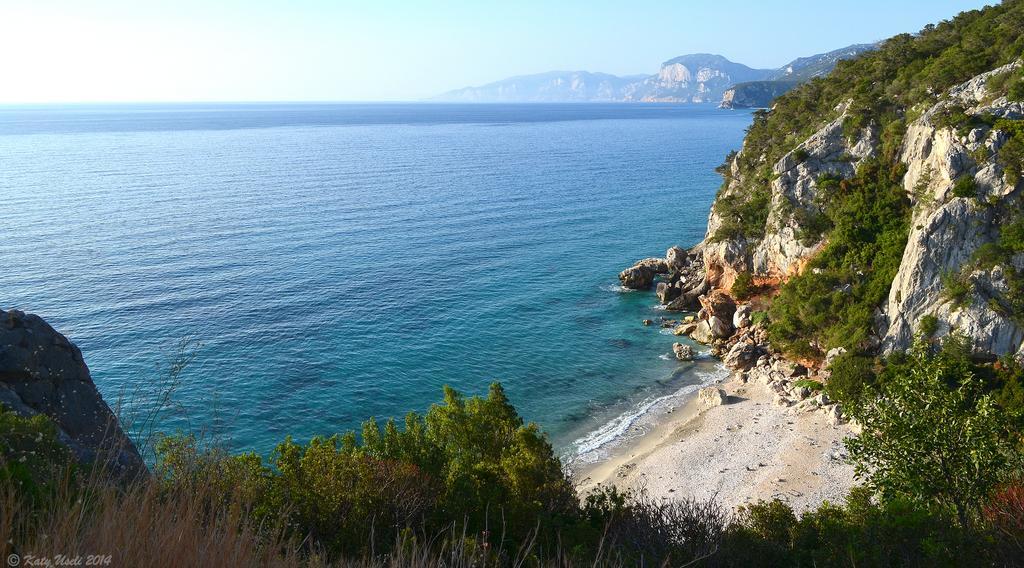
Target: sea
(254, 271)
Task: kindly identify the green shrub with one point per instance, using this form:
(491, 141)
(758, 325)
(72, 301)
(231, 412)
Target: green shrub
(965, 186)
(956, 288)
(743, 215)
(800, 155)
(1011, 154)
(811, 225)
(832, 303)
(1011, 237)
(30, 453)
(809, 384)
(852, 378)
(471, 461)
(758, 318)
(1016, 90)
(743, 287)
(934, 436)
(928, 325)
(988, 255)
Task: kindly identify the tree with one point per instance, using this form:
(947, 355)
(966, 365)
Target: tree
(933, 435)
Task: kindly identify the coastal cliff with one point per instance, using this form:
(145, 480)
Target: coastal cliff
(867, 210)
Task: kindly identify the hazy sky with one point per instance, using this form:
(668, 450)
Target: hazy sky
(208, 50)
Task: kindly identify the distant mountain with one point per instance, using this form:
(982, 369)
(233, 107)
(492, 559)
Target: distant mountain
(759, 94)
(695, 78)
(553, 86)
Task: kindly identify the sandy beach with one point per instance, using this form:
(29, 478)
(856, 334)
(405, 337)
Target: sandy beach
(746, 450)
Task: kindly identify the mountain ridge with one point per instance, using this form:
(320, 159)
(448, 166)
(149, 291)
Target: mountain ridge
(694, 78)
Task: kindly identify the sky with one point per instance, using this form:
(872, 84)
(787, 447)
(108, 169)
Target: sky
(387, 50)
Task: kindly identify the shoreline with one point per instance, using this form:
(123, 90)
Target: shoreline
(745, 450)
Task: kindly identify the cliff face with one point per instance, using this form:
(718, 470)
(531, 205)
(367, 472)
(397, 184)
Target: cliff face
(755, 94)
(795, 184)
(556, 86)
(760, 94)
(947, 230)
(41, 372)
(699, 78)
(878, 204)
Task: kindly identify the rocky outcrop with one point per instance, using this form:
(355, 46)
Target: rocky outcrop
(755, 94)
(694, 78)
(781, 253)
(641, 275)
(41, 372)
(742, 356)
(946, 230)
(718, 308)
(681, 275)
(760, 94)
(682, 352)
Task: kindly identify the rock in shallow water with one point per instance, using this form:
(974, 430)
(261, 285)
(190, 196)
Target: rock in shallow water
(641, 275)
(683, 352)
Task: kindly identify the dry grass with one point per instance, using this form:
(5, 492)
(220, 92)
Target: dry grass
(139, 525)
(146, 524)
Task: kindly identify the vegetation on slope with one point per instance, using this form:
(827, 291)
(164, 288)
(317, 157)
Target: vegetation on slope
(865, 218)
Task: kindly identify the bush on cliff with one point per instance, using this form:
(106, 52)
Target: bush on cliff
(832, 303)
(31, 456)
(743, 287)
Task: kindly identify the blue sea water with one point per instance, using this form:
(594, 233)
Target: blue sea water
(342, 261)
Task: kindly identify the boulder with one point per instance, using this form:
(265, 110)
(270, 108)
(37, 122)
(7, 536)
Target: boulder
(742, 357)
(685, 329)
(780, 400)
(641, 275)
(720, 327)
(677, 257)
(683, 352)
(702, 333)
(720, 304)
(834, 414)
(710, 396)
(832, 354)
(742, 317)
(666, 292)
(41, 372)
(789, 368)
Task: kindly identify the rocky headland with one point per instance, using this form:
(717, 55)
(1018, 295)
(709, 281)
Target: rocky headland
(954, 275)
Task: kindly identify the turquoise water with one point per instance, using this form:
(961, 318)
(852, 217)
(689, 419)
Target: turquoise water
(337, 262)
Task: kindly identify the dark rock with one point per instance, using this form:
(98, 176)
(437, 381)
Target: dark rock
(41, 372)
